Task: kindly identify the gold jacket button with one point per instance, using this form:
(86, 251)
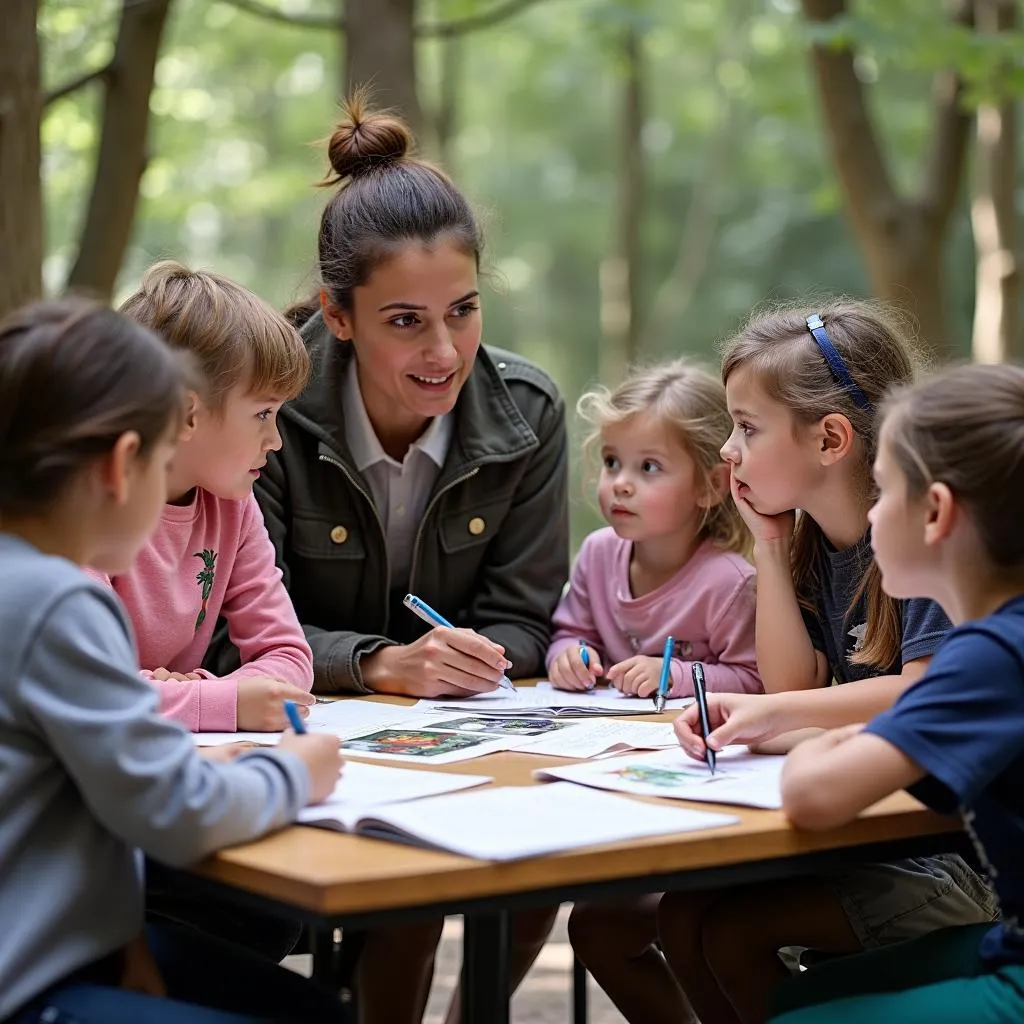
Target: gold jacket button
(477, 526)
(339, 535)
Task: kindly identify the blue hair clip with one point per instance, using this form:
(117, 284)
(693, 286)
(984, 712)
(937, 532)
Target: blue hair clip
(835, 362)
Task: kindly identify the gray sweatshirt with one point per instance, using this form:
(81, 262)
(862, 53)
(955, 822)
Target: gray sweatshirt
(90, 775)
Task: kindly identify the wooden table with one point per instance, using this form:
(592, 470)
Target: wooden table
(329, 879)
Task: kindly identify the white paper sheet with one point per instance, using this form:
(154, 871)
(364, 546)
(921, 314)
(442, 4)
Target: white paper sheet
(587, 739)
(511, 822)
(365, 786)
(343, 718)
(544, 697)
(750, 780)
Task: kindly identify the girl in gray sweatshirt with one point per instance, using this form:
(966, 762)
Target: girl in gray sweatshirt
(91, 776)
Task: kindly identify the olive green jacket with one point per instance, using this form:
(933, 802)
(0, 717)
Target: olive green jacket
(491, 551)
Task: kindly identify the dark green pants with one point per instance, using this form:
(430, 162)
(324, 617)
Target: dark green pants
(936, 979)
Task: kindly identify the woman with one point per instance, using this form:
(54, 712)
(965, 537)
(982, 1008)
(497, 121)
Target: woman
(415, 460)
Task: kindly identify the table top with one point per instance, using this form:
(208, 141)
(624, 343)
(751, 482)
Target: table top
(330, 873)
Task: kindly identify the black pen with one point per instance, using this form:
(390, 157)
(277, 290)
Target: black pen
(701, 696)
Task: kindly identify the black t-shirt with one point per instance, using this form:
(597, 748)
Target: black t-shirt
(838, 630)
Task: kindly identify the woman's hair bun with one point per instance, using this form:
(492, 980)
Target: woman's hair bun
(365, 140)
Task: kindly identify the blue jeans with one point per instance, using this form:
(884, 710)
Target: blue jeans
(208, 982)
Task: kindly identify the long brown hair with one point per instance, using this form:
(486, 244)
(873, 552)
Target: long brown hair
(691, 404)
(789, 366)
(965, 428)
(74, 377)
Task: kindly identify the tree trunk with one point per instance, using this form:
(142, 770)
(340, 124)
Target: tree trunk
(621, 273)
(381, 55)
(994, 213)
(21, 203)
(122, 153)
(901, 238)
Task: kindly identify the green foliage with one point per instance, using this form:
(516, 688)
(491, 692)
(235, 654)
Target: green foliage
(239, 102)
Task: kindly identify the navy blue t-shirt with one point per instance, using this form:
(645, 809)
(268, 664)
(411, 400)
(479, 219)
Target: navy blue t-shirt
(837, 630)
(963, 723)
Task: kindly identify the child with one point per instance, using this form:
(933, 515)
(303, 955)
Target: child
(803, 389)
(210, 555)
(947, 523)
(670, 564)
(90, 408)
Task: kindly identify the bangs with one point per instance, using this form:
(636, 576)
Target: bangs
(279, 363)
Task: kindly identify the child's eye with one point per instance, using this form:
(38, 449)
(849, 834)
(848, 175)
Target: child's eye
(650, 466)
(405, 320)
(610, 462)
(264, 414)
(745, 429)
(464, 310)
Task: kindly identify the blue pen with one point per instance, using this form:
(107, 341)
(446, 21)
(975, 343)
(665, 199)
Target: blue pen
(427, 614)
(701, 695)
(585, 658)
(292, 711)
(663, 684)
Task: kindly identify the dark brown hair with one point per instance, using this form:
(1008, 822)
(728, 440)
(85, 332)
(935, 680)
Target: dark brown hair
(236, 337)
(385, 199)
(74, 377)
(780, 350)
(965, 428)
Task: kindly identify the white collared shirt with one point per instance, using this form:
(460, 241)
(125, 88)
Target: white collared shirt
(400, 490)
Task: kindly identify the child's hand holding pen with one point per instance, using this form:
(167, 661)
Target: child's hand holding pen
(578, 668)
(320, 752)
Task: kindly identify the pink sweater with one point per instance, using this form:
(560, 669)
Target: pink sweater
(211, 558)
(708, 606)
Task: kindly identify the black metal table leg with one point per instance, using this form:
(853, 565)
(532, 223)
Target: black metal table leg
(579, 991)
(485, 990)
(325, 953)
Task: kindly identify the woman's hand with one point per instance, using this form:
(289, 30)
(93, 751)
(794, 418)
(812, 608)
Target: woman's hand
(442, 663)
(569, 673)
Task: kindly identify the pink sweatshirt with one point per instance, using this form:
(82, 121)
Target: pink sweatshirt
(210, 558)
(708, 606)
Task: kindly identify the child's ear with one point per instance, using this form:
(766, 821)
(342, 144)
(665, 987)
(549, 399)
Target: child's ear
(338, 321)
(835, 437)
(941, 514)
(717, 488)
(116, 466)
(189, 423)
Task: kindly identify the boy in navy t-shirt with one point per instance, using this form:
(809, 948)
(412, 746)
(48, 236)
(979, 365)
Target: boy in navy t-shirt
(946, 525)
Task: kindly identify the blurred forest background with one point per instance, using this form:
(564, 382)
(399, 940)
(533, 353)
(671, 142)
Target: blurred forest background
(649, 170)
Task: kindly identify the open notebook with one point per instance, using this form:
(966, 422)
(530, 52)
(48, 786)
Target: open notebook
(512, 822)
(545, 701)
(365, 788)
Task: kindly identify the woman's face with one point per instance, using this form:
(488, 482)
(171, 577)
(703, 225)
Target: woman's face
(415, 326)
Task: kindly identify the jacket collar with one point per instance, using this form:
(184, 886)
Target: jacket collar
(488, 424)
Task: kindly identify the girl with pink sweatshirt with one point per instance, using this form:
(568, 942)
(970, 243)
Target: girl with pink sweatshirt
(210, 556)
(671, 562)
